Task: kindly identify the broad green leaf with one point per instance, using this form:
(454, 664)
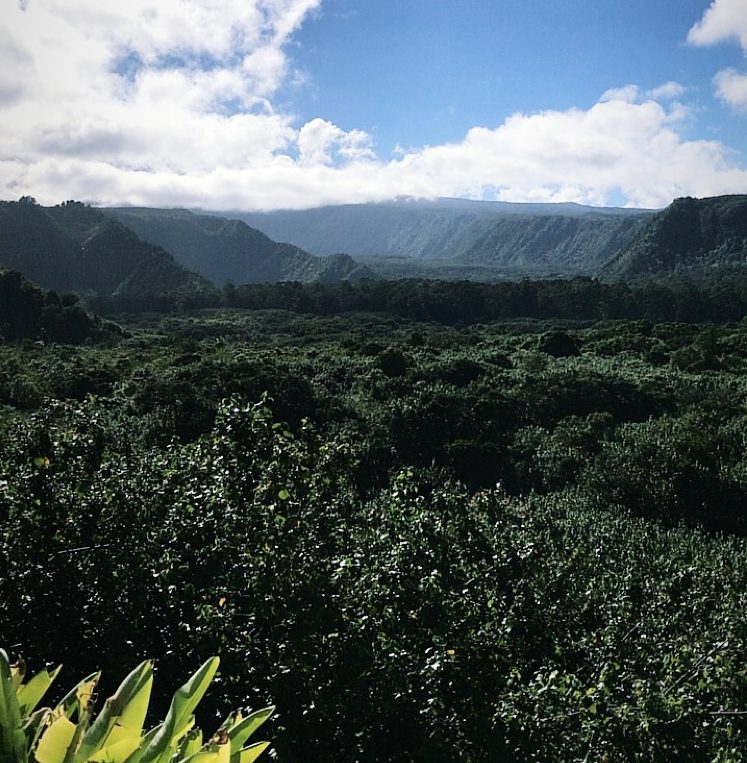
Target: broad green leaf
(136, 707)
(30, 694)
(117, 752)
(191, 743)
(12, 738)
(242, 730)
(17, 673)
(78, 699)
(249, 754)
(123, 714)
(34, 725)
(177, 722)
(146, 740)
(215, 752)
(56, 741)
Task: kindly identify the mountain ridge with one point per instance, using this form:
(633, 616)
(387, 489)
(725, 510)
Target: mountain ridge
(695, 238)
(225, 249)
(75, 248)
(473, 233)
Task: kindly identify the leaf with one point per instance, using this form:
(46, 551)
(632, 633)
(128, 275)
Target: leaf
(179, 718)
(17, 672)
(78, 699)
(135, 756)
(34, 725)
(123, 714)
(245, 727)
(56, 741)
(30, 694)
(250, 754)
(12, 738)
(218, 750)
(117, 752)
(191, 744)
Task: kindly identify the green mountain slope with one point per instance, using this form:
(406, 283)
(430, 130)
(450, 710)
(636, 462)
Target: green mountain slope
(229, 250)
(698, 238)
(73, 247)
(544, 245)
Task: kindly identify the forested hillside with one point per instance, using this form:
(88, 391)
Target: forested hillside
(74, 248)
(229, 250)
(697, 238)
(541, 246)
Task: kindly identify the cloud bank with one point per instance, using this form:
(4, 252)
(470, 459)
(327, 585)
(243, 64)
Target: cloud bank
(724, 21)
(174, 104)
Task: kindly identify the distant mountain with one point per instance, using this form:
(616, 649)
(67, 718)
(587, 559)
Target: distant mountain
(74, 248)
(548, 245)
(510, 239)
(223, 250)
(697, 238)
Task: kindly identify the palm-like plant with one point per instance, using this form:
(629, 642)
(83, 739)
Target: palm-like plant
(70, 732)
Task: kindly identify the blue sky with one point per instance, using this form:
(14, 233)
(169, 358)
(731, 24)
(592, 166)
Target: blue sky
(262, 104)
(415, 72)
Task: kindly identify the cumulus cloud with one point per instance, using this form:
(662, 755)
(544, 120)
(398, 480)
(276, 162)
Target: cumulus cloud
(628, 93)
(318, 138)
(16, 68)
(172, 103)
(667, 91)
(731, 86)
(723, 21)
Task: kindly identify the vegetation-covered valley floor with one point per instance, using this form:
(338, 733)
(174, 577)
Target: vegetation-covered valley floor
(519, 541)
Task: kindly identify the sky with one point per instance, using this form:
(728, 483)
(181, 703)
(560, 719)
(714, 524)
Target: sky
(268, 104)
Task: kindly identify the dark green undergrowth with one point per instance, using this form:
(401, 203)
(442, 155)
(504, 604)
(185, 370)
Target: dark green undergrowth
(497, 543)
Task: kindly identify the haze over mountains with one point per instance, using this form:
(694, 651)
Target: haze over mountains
(460, 238)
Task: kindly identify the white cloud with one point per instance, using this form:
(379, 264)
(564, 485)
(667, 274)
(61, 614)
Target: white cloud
(318, 138)
(15, 69)
(133, 102)
(633, 94)
(731, 86)
(627, 93)
(667, 91)
(725, 20)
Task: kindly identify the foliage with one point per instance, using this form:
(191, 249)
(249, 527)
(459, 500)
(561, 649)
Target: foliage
(451, 236)
(115, 735)
(691, 236)
(494, 552)
(27, 312)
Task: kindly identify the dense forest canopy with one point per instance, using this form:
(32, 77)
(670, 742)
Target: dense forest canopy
(516, 539)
